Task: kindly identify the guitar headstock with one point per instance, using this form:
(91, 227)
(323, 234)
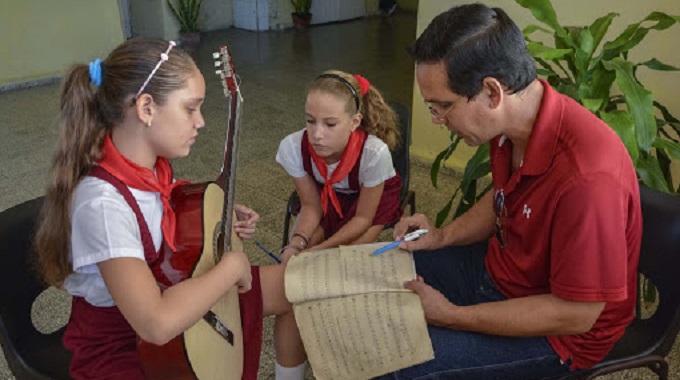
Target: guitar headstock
(226, 71)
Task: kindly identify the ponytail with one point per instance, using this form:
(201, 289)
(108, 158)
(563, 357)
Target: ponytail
(379, 118)
(78, 147)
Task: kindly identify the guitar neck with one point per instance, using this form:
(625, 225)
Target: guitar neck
(227, 178)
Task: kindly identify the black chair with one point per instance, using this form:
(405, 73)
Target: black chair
(400, 159)
(647, 341)
(29, 353)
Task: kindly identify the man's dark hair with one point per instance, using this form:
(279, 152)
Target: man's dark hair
(475, 42)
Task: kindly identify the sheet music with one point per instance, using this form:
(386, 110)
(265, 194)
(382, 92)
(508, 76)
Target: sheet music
(356, 319)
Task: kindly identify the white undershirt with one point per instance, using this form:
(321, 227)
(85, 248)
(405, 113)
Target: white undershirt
(103, 227)
(375, 167)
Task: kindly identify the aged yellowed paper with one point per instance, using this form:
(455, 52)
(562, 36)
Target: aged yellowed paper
(356, 319)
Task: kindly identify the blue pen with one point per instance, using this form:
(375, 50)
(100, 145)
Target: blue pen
(270, 253)
(408, 237)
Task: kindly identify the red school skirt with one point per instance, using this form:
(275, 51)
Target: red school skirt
(104, 345)
(388, 209)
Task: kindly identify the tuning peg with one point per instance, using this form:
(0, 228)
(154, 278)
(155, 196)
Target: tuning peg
(216, 55)
(218, 63)
(218, 72)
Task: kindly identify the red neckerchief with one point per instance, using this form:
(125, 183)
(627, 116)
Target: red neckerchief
(144, 179)
(347, 161)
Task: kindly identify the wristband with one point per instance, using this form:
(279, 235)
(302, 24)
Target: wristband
(303, 237)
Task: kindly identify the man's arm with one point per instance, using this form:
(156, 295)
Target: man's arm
(538, 315)
(476, 225)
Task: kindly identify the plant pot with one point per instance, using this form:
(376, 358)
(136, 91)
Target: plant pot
(301, 20)
(189, 41)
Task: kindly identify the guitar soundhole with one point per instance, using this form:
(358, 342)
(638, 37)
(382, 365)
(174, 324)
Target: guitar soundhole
(218, 241)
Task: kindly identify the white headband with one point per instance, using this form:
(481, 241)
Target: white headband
(164, 57)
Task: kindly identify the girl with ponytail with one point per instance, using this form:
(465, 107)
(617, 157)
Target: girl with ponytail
(341, 165)
(107, 211)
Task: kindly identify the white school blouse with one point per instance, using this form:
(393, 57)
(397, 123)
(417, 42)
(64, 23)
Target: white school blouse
(375, 167)
(103, 227)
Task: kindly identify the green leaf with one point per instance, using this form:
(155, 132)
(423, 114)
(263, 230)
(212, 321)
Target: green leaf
(530, 29)
(583, 53)
(599, 28)
(538, 50)
(623, 125)
(601, 82)
(444, 212)
(672, 148)
(654, 64)
(634, 33)
(468, 199)
(649, 171)
(441, 158)
(638, 99)
(592, 105)
(544, 12)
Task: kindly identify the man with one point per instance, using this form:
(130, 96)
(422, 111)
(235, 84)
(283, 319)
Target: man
(551, 287)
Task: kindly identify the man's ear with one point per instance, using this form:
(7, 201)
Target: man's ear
(145, 108)
(493, 92)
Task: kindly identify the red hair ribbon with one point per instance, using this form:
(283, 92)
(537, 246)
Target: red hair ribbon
(363, 83)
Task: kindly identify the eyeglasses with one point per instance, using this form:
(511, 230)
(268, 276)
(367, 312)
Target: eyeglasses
(499, 209)
(435, 114)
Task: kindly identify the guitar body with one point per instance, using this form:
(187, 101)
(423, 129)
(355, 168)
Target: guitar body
(200, 352)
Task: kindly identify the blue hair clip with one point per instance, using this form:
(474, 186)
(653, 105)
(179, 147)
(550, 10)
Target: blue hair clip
(96, 72)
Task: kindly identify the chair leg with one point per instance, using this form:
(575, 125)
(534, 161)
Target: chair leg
(286, 228)
(660, 369)
(412, 203)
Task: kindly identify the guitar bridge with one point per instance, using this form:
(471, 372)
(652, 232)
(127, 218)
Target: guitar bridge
(218, 325)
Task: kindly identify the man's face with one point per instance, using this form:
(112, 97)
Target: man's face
(467, 118)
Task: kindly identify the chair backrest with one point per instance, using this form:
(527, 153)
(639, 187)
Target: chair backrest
(660, 263)
(19, 287)
(400, 156)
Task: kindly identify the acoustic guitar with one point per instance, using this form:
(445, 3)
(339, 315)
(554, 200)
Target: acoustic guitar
(213, 347)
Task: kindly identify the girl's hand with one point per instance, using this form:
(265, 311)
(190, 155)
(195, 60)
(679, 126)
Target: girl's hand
(287, 253)
(238, 262)
(246, 221)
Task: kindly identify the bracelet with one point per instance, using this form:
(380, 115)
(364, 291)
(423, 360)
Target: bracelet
(301, 236)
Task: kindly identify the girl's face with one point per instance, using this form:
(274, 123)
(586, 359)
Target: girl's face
(329, 125)
(175, 125)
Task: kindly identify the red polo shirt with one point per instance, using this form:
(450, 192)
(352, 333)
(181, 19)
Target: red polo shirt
(572, 222)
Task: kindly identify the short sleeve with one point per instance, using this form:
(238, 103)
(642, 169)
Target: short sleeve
(103, 228)
(376, 163)
(290, 156)
(589, 252)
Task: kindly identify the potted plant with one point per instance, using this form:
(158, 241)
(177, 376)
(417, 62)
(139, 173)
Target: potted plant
(186, 12)
(648, 130)
(301, 15)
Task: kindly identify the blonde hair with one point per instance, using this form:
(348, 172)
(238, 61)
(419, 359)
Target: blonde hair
(87, 115)
(379, 118)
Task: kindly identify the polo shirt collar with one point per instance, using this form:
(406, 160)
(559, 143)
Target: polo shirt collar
(543, 140)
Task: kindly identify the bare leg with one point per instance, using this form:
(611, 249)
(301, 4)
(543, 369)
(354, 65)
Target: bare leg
(287, 342)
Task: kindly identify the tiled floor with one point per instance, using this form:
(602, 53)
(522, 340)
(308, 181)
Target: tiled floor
(275, 68)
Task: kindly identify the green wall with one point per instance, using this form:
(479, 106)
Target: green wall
(41, 38)
(429, 140)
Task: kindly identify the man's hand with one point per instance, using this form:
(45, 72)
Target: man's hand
(246, 221)
(432, 240)
(438, 309)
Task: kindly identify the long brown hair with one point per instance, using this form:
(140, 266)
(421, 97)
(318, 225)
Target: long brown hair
(88, 113)
(379, 118)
